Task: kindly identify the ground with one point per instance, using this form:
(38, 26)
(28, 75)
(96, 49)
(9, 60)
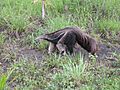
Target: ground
(14, 50)
(30, 61)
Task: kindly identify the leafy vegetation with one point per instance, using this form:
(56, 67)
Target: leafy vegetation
(2, 39)
(23, 67)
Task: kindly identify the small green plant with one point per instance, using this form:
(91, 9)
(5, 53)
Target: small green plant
(74, 69)
(4, 78)
(2, 38)
(71, 74)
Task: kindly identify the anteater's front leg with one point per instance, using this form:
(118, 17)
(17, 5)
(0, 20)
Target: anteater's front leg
(66, 43)
(51, 48)
(61, 48)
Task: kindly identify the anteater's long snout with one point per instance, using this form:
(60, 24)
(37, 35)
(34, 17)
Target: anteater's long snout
(38, 39)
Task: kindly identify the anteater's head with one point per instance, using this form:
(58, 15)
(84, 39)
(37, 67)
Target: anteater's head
(94, 47)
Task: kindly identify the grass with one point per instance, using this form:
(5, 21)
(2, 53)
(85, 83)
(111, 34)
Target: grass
(16, 14)
(67, 72)
(2, 39)
(23, 19)
(3, 82)
(58, 22)
(4, 78)
(108, 25)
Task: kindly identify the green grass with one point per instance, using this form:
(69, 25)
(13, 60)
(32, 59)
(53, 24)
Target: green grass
(71, 74)
(16, 13)
(55, 72)
(57, 23)
(2, 39)
(108, 25)
(4, 78)
(67, 73)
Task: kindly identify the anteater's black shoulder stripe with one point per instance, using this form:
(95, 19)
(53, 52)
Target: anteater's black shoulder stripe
(54, 40)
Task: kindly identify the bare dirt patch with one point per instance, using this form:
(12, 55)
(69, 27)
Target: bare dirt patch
(31, 54)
